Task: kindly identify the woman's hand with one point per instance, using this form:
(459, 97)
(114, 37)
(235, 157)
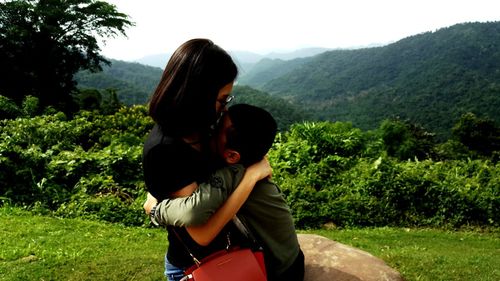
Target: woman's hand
(260, 170)
(150, 203)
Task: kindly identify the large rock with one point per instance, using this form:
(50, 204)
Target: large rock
(329, 260)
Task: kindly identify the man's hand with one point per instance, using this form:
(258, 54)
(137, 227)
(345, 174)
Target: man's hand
(150, 203)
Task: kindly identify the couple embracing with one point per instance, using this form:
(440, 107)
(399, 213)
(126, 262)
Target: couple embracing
(204, 164)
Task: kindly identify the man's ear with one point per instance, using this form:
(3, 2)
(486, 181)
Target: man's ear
(231, 156)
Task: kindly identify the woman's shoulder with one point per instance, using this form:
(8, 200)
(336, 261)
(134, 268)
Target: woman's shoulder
(157, 140)
(157, 136)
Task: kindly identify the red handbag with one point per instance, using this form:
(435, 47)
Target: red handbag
(240, 264)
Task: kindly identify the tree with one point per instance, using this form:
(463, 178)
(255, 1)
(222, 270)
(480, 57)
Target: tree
(478, 134)
(43, 43)
(405, 140)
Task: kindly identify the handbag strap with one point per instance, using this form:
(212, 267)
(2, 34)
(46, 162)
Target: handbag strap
(196, 261)
(246, 232)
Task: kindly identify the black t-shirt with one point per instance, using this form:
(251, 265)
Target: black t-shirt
(169, 165)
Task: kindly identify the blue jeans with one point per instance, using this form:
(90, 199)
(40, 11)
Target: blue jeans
(172, 272)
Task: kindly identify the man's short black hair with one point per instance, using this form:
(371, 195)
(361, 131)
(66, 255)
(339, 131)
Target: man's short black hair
(252, 133)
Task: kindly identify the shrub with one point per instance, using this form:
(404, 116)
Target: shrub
(92, 160)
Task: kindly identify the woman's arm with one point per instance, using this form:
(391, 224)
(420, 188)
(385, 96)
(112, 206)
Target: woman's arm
(197, 208)
(204, 234)
(183, 192)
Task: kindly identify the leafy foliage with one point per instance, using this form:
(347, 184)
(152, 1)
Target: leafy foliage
(405, 140)
(478, 134)
(330, 172)
(86, 166)
(45, 42)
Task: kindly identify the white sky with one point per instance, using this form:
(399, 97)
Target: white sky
(262, 26)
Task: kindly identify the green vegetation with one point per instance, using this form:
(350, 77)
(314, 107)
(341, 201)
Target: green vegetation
(333, 172)
(90, 166)
(45, 248)
(87, 166)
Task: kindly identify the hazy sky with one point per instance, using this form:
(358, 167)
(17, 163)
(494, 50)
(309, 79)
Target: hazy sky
(262, 26)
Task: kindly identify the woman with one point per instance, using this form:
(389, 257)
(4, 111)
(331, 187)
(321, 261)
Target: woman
(186, 105)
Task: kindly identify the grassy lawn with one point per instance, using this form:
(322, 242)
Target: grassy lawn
(46, 248)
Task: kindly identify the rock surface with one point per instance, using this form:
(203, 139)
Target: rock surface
(329, 260)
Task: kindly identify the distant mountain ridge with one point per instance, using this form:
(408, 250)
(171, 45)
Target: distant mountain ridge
(244, 59)
(430, 78)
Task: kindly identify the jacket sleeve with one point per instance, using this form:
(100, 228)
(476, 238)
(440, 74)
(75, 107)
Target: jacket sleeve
(199, 206)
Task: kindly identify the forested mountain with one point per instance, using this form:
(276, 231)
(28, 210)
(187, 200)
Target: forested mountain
(268, 69)
(430, 78)
(133, 82)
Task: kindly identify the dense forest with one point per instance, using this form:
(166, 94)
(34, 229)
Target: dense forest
(430, 79)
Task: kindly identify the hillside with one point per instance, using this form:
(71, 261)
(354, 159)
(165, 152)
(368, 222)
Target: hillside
(133, 82)
(268, 69)
(430, 78)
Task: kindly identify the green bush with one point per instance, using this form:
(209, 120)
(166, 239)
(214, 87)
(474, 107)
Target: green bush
(51, 163)
(327, 179)
(387, 192)
(101, 198)
(8, 108)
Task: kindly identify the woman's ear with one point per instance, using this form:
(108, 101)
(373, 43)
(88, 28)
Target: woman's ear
(231, 156)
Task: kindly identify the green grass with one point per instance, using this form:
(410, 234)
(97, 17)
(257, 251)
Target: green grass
(47, 248)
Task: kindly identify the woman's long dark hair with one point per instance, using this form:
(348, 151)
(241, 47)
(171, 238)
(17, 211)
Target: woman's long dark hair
(184, 100)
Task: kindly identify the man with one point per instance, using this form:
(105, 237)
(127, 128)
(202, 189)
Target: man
(245, 136)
